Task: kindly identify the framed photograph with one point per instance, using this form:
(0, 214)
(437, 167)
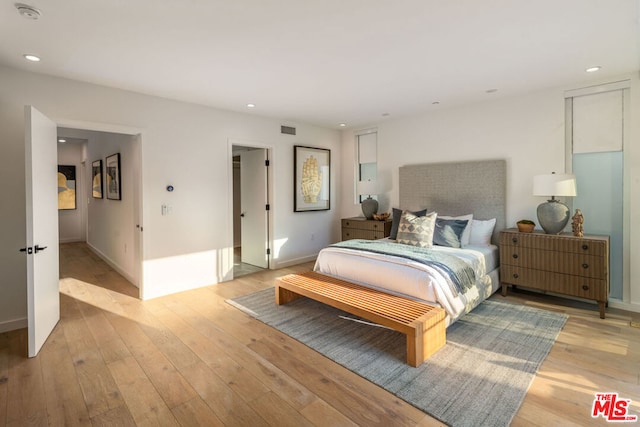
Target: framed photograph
(66, 187)
(113, 177)
(312, 184)
(96, 179)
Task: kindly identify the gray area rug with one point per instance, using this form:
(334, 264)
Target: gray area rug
(480, 377)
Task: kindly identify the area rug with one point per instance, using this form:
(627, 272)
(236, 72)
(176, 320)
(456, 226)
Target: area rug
(480, 377)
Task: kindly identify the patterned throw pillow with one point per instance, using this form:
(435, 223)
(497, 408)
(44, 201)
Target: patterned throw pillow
(395, 220)
(416, 230)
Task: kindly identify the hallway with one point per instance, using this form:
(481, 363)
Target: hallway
(79, 262)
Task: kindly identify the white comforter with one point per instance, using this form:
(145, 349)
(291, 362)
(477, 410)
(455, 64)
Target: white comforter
(410, 278)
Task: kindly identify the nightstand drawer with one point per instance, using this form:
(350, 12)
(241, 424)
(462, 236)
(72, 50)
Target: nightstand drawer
(547, 242)
(583, 287)
(362, 228)
(354, 233)
(365, 225)
(557, 262)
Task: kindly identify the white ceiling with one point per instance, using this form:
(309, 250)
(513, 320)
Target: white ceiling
(326, 61)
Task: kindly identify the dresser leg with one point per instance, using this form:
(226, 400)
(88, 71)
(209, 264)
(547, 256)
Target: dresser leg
(601, 305)
(504, 289)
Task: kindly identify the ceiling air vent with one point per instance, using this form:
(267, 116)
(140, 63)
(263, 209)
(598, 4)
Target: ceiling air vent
(288, 130)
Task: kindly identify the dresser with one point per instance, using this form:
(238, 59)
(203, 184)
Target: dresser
(561, 264)
(362, 228)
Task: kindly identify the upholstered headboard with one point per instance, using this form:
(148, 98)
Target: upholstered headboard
(457, 188)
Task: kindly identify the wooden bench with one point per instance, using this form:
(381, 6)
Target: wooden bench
(423, 324)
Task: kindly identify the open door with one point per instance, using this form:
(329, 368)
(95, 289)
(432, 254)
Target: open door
(43, 296)
(254, 201)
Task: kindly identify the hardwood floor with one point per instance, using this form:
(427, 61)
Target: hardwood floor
(191, 359)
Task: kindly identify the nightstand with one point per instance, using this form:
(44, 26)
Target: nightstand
(362, 228)
(558, 263)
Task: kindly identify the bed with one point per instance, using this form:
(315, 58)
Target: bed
(455, 191)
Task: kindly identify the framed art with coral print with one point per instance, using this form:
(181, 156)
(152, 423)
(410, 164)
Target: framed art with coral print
(312, 184)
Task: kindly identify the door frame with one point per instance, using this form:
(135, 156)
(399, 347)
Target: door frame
(270, 196)
(138, 205)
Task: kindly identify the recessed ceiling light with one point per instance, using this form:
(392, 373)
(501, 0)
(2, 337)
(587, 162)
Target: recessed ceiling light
(593, 69)
(385, 114)
(27, 11)
(436, 102)
(62, 140)
(491, 90)
(342, 125)
(32, 58)
(251, 105)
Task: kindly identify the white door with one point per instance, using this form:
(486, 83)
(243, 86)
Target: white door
(253, 203)
(43, 297)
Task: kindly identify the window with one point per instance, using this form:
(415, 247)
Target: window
(366, 159)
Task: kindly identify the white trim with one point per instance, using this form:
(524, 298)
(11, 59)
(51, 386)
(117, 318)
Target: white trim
(590, 90)
(112, 264)
(627, 306)
(12, 325)
(292, 262)
(271, 191)
(365, 131)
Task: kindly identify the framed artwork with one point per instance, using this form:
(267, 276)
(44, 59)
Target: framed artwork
(66, 187)
(113, 177)
(312, 169)
(96, 179)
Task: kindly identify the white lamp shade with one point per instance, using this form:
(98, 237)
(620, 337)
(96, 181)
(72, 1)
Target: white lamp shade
(367, 188)
(554, 185)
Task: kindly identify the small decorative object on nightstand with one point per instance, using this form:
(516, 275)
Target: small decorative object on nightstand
(525, 225)
(362, 228)
(578, 224)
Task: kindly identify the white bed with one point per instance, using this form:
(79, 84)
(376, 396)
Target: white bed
(453, 189)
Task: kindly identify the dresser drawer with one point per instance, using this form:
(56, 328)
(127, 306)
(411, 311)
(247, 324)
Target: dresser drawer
(365, 225)
(557, 262)
(583, 287)
(547, 242)
(354, 233)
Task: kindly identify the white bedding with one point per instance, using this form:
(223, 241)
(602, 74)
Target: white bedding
(413, 279)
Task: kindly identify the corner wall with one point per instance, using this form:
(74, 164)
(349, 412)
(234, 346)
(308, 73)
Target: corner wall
(184, 145)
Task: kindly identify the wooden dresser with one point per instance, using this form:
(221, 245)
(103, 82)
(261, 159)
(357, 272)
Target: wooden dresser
(362, 228)
(561, 264)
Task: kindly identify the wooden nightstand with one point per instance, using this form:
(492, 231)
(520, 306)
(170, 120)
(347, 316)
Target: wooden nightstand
(562, 264)
(362, 228)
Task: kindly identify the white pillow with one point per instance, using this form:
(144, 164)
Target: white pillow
(466, 233)
(481, 231)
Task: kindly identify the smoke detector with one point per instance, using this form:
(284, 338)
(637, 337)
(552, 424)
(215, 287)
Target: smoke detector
(27, 11)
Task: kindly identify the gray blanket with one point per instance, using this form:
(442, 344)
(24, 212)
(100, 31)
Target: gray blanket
(462, 275)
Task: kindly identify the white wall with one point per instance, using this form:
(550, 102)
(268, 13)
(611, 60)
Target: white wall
(70, 224)
(182, 144)
(527, 131)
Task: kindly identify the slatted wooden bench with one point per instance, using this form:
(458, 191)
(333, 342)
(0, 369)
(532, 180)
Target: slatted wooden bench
(423, 324)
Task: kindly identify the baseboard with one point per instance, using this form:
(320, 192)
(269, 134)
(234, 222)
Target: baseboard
(70, 240)
(283, 264)
(627, 306)
(12, 325)
(111, 263)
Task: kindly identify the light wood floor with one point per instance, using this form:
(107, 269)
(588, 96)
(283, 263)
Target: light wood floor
(191, 359)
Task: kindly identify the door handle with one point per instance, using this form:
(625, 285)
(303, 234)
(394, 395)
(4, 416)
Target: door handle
(28, 250)
(242, 215)
(38, 248)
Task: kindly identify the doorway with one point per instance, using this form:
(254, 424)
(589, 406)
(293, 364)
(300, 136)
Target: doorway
(108, 225)
(250, 209)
